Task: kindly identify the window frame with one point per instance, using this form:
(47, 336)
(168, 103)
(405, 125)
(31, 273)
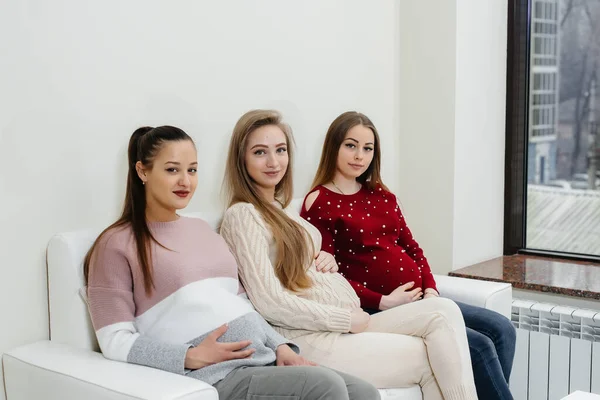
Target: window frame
(516, 145)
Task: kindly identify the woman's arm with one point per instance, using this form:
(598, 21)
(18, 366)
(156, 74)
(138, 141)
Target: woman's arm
(316, 217)
(112, 309)
(245, 233)
(275, 340)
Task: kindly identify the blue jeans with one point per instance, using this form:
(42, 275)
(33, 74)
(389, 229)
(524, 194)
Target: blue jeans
(491, 338)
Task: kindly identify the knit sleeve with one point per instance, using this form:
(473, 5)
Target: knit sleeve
(325, 225)
(112, 310)
(414, 251)
(246, 234)
(274, 339)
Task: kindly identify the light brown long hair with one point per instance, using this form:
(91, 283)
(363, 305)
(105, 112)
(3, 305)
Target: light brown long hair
(294, 247)
(331, 147)
(144, 145)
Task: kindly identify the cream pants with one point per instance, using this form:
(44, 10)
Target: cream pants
(422, 343)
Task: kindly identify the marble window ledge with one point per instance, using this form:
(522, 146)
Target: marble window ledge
(541, 274)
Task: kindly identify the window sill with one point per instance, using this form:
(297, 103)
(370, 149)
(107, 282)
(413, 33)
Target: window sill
(539, 274)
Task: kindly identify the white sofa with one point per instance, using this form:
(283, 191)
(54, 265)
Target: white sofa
(69, 366)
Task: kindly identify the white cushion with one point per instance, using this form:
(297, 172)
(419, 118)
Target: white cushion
(60, 371)
(69, 319)
(496, 296)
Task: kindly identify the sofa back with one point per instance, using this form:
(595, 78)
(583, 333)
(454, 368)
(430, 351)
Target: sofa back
(69, 318)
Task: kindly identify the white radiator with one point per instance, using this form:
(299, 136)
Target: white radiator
(558, 351)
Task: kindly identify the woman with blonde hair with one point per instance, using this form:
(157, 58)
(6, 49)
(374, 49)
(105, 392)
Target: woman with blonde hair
(296, 288)
(386, 266)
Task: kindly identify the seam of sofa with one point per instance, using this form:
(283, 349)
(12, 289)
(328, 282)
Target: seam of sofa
(84, 381)
(194, 392)
(506, 286)
(499, 290)
(48, 293)
(4, 378)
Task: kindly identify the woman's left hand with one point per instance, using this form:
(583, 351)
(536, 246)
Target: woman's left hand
(286, 357)
(430, 293)
(325, 262)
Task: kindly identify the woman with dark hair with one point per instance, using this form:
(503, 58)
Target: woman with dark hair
(362, 225)
(163, 290)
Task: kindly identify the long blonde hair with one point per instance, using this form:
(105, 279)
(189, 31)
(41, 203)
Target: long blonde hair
(295, 249)
(331, 147)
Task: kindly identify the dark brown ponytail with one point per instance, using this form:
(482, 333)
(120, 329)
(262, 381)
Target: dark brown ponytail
(144, 145)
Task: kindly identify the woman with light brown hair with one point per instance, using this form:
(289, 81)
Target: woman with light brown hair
(378, 254)
(296, 287)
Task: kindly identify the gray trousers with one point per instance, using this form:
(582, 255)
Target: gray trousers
(293, 383)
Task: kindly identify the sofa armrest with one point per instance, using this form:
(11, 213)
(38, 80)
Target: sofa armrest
(496, 296)
(51, 371)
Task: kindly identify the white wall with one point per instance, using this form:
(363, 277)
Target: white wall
(78, 76)
(451, 154)
(481, 34)
(427, 118)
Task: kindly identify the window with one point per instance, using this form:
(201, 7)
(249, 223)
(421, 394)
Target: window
(552, 201)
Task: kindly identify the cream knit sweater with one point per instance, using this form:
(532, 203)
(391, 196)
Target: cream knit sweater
(322, 312)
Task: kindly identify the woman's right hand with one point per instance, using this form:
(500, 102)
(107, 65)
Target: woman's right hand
(209, 351)
(359, 320)
(400, 296)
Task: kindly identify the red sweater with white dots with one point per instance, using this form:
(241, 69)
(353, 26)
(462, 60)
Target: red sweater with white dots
(371, 242)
